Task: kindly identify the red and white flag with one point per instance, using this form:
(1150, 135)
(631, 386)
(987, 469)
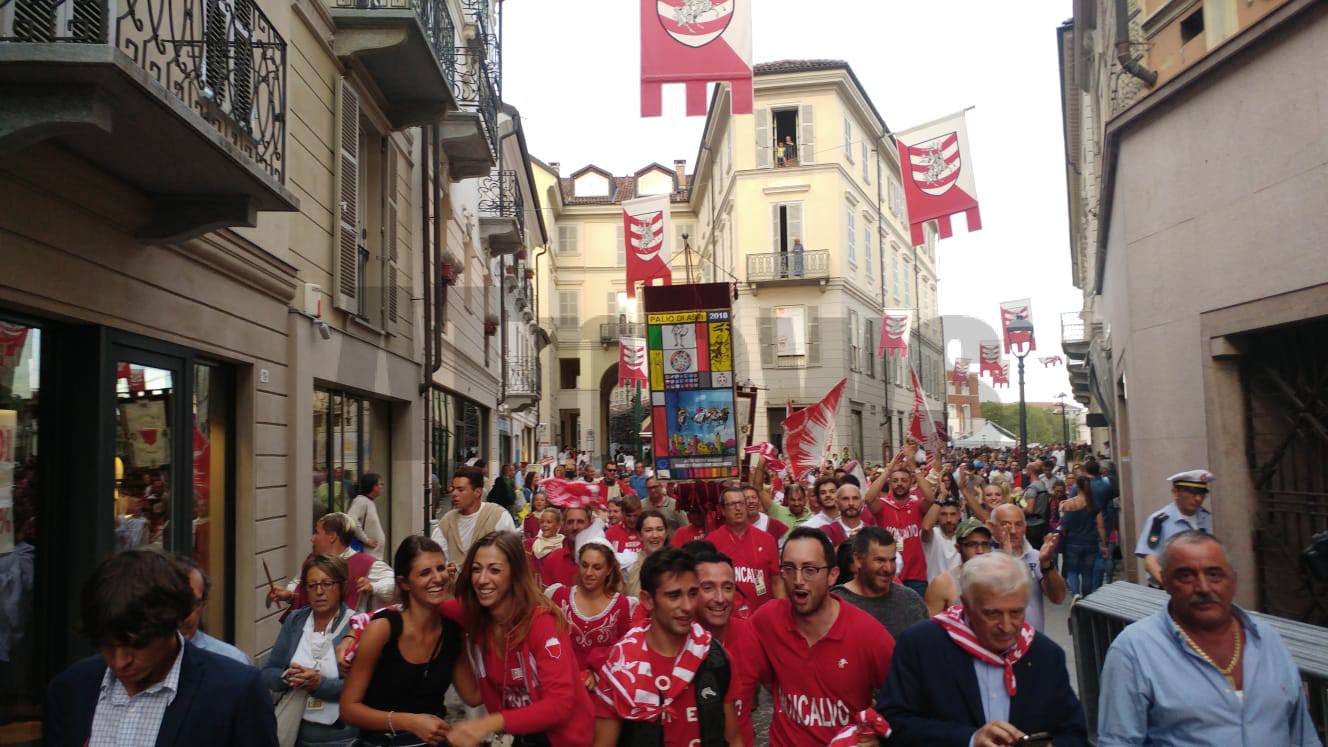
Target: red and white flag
(574, 493)
(989, 357)
(895, 326)
(1010, 310)
(1001, 377)
(960, 374)
(632, 361)
(922, 426)
(938, 175)
(808, 433)
(1052, 360)
(696, 42)
(648, 231)
(769, 455)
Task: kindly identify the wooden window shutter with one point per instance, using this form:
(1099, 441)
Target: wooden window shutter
(397, 302)
(813, 335)
(345, 254)
(869, 345)
(776, 240)
(763, 139)
(766, 336)
(806, 134)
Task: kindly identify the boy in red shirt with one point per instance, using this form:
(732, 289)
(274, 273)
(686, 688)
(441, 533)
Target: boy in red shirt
(822, 659)
(901, 511)
(754, 552)
(669, 683)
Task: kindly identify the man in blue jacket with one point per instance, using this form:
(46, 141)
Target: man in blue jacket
(977, 675)
(149, 687)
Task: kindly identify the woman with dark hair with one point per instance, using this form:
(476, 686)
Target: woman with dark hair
(368, 529)
(518, 661)
(304, 656)
(405, 659)
(1083, 537)
(597, 611)
(530, 485)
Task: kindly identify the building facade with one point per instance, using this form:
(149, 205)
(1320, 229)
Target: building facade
(1195, 224)
(225, 292)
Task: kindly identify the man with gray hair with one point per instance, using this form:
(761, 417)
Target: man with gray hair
(978, 674)
(1201, 670)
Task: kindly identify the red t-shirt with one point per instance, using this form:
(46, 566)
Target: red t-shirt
(905, 521)
(558, 567)
(531, 526)
(687, 534)
(624, 540)
(744, 656)
(755, 559)
(819, 689)
(682, 723)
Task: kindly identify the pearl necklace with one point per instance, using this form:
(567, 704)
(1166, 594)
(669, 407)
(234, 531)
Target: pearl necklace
(1227, 672)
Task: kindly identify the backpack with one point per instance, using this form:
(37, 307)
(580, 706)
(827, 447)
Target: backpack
(711, 685)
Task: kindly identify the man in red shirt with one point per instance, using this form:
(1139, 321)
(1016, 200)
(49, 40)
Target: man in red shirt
(626, 537)
(715, 608)
(669, 683)
(561, 566)
(901, 511)
(822, 659)
(754, 553)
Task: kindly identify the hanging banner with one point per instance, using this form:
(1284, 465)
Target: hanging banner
(895, 326)
(1011, 310)
(809, 433)
(1002, 376)
(989, 357)
(689, 337)
(648, 232)
(938, 175)
(632, 368)
(696, 42)
(960, 374)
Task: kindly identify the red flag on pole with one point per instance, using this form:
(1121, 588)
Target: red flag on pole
(808, 432)
(648, 232)
(938, 175)
(895, 325)
(696, 42)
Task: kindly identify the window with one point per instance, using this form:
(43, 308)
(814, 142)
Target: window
(848, 140)
(909, 279)
(731, 153)
(855, 435)
(1192, 27)
(567, 238)
(869, 346)
(568, 308)
(786, 138)
(867, 251)
(620, 245)
(786, 226)
(852, 238)
(790, 331)
(896, 199)
(568, 371)
(460, 435)
(854, 341)
(894, 272)
(866, 167)
(351, 439)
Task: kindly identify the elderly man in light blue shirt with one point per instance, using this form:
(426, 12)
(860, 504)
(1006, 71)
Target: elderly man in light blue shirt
(1201, 671)
(201, 584)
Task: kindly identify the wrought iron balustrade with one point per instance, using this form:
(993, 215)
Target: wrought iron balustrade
(807, 265)
(480, 13)
(221, 58)
(614, 331)
(500, 197)
(523, 376)
(473, 87)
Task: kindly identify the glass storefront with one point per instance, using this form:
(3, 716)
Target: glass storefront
(352, 437)
(460, 436)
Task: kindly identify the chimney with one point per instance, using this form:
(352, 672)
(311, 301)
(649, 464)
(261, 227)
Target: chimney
(557, 167)
(680, 168)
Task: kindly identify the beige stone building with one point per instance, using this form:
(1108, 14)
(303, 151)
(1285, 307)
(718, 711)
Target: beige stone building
(221, 255)
(813, 235)
(1196, 175)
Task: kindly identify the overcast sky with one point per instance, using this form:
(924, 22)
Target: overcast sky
(572, 70)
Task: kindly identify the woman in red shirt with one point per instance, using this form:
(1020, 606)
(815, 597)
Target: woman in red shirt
(520, 662)
(531, 526)
(597, 611)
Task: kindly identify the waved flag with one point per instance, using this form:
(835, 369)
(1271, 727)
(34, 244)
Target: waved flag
(769, 455)
(573, 493)
(808, 433)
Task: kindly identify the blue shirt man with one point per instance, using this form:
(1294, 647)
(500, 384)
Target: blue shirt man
(1184, 513)
(1201, 671)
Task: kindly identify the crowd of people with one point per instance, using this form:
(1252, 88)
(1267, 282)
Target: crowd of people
(900, 604)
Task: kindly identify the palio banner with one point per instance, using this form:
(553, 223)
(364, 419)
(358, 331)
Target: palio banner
(1011, 310)
(693, 411)
(989, 357)
(895, 324)
(696, 42)
(632, 361)
(938, 175)
(648, 232)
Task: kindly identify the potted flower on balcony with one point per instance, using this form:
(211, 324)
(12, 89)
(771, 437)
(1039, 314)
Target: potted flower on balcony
(521, 254)
(450, 267)
(530, 274)
(491, 324)
(509, 269)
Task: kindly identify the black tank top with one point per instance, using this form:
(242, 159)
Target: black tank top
(397, 685)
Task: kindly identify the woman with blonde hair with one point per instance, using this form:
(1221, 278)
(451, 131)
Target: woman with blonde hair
(982, 502)
(518, 661)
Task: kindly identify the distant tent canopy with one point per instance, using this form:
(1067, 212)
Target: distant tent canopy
(987, 437)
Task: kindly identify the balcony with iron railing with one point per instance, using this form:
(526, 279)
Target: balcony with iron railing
(502, 211)
(183, 100)
(470, 134)
(1075, 335)
(614, 331)
(404, 46)
(523, 382)
(789, 267)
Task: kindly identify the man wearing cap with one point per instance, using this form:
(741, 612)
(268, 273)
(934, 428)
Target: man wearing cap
(1185, 512)
(973, 538)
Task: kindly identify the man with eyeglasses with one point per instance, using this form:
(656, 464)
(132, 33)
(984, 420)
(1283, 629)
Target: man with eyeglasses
(754, 553)
(973, 538)
(822, 659)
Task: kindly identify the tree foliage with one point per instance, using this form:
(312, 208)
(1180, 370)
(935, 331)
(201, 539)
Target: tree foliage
(1044, 424)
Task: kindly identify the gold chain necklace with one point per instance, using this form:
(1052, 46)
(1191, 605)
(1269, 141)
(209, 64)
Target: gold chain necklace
(1227, 672)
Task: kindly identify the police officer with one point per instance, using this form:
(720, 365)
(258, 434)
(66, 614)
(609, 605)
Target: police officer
(1186, 511)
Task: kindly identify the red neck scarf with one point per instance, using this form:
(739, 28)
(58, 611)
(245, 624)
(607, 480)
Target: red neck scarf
(955, 623)
(866, 723)
(635, 695)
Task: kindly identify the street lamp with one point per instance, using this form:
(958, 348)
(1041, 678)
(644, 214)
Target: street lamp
(1065, 424)
(1014, 330)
